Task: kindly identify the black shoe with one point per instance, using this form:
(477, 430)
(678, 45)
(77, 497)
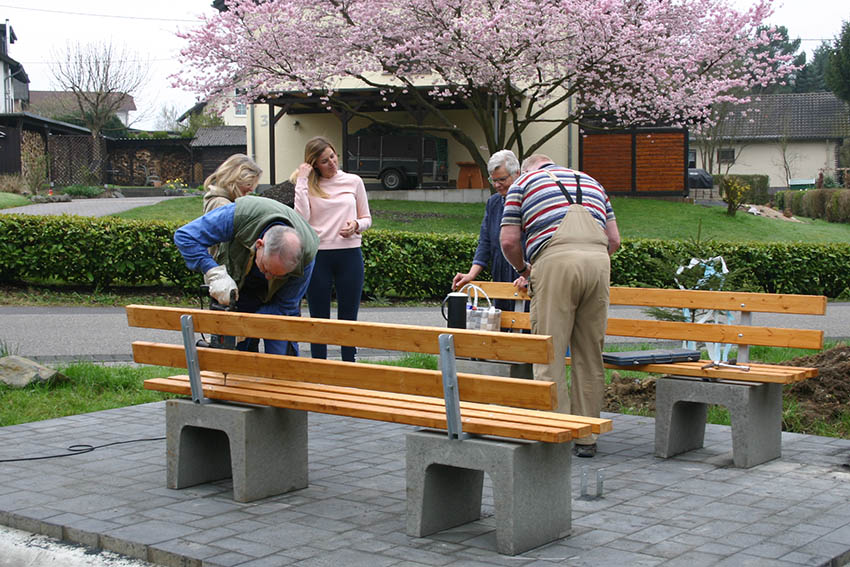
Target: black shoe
(584, 451)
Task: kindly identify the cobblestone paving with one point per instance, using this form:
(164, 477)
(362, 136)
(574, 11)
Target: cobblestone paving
(692, 510)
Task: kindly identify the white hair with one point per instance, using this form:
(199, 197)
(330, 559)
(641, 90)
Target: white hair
(503, 158)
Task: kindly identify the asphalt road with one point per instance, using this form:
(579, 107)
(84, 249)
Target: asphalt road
(86, 207)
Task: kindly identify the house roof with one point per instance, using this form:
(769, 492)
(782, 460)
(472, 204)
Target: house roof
(34, 121)
(197, 108)
(797, 116)
(65, 99)
(220, 136)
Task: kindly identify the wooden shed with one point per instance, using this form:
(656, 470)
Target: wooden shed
(214, 144)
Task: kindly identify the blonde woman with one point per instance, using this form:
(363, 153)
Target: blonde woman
(236, 177)
(333, 203)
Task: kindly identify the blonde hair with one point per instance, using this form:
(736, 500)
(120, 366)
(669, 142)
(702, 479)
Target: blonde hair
(236, 170)
(312, 151)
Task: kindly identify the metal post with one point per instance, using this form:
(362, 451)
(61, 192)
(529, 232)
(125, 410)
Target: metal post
(450, 390)
(192, 365)
(744, 350)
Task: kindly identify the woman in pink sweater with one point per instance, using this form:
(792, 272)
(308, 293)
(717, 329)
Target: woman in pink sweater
(335, 205)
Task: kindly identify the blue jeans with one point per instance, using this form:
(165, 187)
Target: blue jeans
(339, 270)
(287, 301)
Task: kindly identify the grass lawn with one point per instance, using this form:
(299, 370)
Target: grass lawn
(90, 387)
(180, 210)
(9, 200)
(636, 218)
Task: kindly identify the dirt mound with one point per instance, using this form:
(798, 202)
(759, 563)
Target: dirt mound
(632, 394)
(825, 396)
(822, 398)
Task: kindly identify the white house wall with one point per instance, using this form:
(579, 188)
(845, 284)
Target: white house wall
(806, 160)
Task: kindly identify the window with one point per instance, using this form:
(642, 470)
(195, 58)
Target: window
(692, 158)
(240, 108)
(726, 155)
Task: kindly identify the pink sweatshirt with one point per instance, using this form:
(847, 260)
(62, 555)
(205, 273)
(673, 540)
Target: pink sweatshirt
(346, 201)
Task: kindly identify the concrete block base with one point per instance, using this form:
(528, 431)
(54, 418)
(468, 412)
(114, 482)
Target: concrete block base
(264, 449)
(531, 487)
(495, 368)
(755, 411)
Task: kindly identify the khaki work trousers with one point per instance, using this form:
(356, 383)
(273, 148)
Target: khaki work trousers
(569, 288)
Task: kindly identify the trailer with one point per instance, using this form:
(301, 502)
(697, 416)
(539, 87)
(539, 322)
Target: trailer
(393, 157)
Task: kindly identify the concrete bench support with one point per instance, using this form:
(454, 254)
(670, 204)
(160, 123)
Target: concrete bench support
(264, 449)
(531, 487)
(755, 412)
(495, 368)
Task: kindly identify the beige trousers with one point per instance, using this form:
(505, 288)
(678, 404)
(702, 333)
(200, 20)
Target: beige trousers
(569, 288)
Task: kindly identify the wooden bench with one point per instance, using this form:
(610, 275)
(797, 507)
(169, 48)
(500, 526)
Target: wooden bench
(751, 391)
(501, 426)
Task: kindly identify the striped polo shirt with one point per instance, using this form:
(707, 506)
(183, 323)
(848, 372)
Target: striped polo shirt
(535, 203)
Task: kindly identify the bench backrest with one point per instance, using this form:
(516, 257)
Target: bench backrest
(406, 338)
(742, 334)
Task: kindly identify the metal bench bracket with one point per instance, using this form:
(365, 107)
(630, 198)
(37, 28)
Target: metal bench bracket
(451, 395)
(192, 365)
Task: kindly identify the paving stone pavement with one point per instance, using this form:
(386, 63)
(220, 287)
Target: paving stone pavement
(691, 510)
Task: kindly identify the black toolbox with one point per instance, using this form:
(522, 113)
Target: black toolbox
(657, 356)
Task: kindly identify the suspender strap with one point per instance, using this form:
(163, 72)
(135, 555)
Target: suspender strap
(564, 191)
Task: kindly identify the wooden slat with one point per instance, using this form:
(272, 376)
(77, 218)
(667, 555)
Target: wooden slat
(772, 373)
(581, 426)
(406, 338)
(679, 330)
(472, 387)
(757, 373)
(596, 425)
(723, 300)
(364, 410)
(732, 334)
(692, 299)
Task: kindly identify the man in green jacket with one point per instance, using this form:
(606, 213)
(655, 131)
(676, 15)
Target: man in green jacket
(265, 254)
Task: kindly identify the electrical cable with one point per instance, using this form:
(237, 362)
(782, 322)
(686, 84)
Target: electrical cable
(80, 449)
(90, 15)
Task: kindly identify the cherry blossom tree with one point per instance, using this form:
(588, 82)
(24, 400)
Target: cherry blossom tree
(510, 63)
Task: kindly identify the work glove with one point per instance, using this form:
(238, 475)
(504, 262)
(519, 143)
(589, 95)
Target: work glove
(221, 284)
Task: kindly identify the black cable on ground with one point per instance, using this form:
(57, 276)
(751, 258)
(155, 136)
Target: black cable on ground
(79, 450)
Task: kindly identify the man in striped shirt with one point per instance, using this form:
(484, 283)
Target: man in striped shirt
(570, 232)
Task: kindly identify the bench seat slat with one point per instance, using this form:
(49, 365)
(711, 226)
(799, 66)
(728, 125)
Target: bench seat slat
(364, 409)
(530, 394)
(758, 372)
(405, 338)
(596, 425)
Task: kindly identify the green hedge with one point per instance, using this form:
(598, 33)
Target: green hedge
(90, 251)
(104, 252)
(758, 193)
(832, 205)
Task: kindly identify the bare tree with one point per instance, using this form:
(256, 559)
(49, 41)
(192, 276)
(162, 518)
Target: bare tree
(100, 76)
(167, 118)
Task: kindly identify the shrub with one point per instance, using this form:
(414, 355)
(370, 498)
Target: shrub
(796, 204)
(734, 192)
(82, 190)
(34, 172)
(844, 205)
(758, 192)
(13, 183)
